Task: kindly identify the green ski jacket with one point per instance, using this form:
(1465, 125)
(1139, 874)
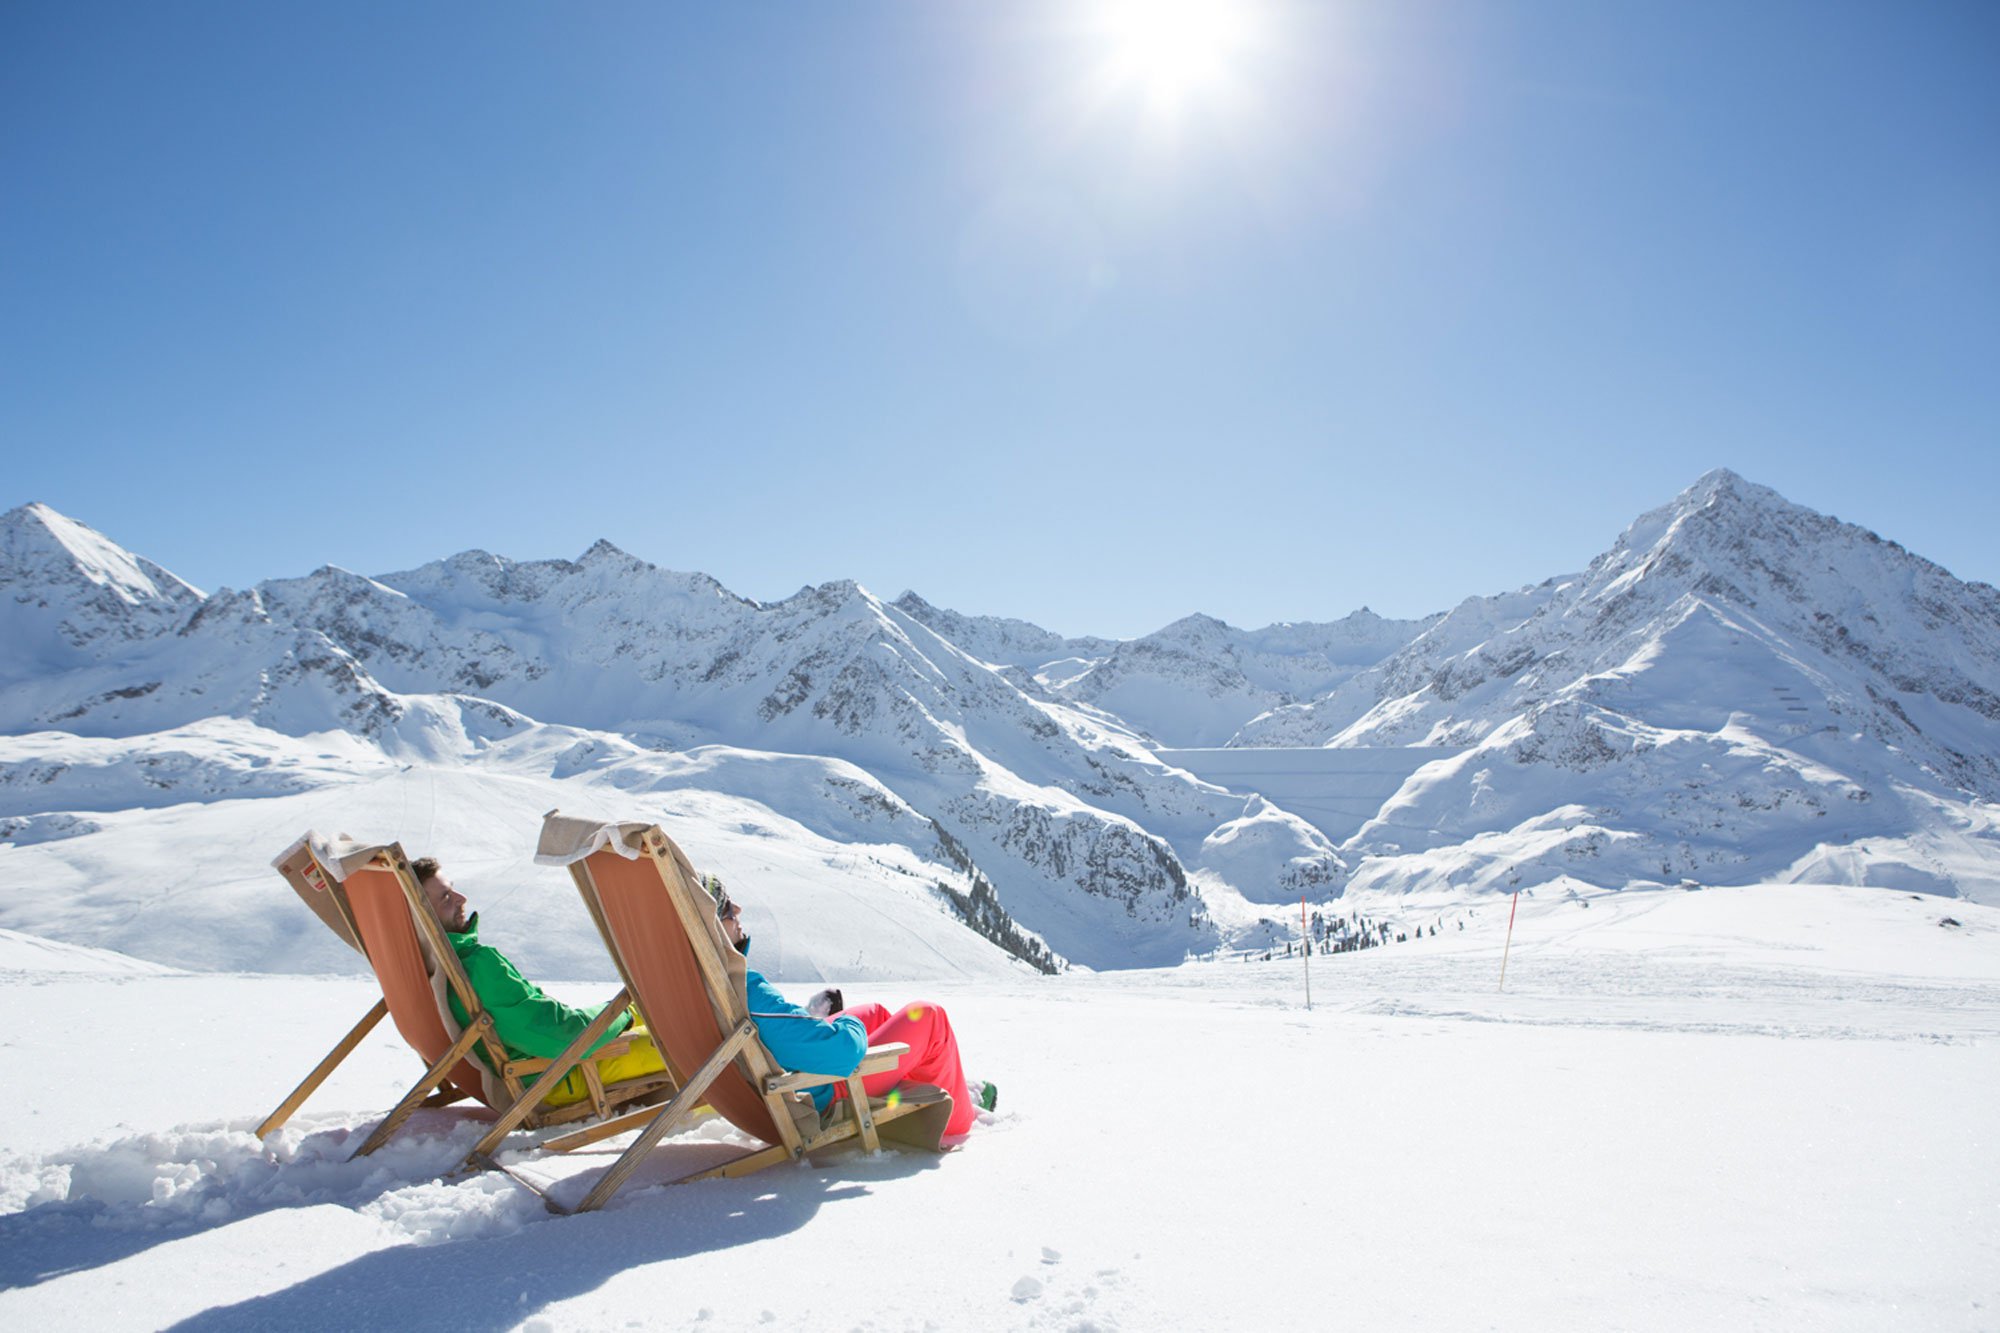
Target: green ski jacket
(529, 1023)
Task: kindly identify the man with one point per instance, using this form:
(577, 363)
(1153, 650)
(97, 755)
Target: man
(529, 1023)
(802, 1039)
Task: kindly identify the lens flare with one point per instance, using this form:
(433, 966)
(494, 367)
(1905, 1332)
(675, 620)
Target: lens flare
(1174, 48)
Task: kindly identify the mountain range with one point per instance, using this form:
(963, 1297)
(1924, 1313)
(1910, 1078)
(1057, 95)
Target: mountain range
(1739, 690)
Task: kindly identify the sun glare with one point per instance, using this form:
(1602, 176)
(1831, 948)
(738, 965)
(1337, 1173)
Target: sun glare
(1172, 49)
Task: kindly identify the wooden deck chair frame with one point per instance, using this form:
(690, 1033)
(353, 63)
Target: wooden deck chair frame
(637, 862)
(329, 874)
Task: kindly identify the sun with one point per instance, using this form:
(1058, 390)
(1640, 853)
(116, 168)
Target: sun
(1172, 50)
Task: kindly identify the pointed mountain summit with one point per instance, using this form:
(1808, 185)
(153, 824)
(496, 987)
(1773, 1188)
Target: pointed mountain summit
(1779, 573)
(69, 594)
(1737, 685)
(34, 536)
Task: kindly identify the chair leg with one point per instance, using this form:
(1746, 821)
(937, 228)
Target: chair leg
(432, 1077)
(748, 1164)
(864, 1114)
(545, 1083)
(676, 1110)
(341, 1050)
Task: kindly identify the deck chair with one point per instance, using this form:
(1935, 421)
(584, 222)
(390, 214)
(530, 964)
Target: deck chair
(368, 897)
(661, 931)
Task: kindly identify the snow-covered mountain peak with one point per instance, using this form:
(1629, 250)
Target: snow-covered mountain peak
(1000, 639)
(605, 556)
(37, 541)
(1722, 481)
(1196, 630)
(830, 593)
(913, 605)
(1719, 512)
(1738, 686)
(476, 581)
(70, 594)
(327, 580)
(1731, 542)
(1198, 681)
(842, 609)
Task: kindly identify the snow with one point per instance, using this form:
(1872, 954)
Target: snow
(1198, 681)
(103, 561)
(1761, 1107)
(1770, 1102)
(1738, 691)
(31, 954)
(1337, 790)
(178, 869)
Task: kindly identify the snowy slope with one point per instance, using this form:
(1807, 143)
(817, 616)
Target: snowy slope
(1756, 1108)
(32, 955)
(172, 863)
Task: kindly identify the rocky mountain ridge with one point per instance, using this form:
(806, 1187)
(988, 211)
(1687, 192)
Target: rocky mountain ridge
(1739, 686)
(1071, 823)
(1739, 689)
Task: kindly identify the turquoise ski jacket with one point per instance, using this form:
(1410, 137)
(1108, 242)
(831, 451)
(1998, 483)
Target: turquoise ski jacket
(799, 1041)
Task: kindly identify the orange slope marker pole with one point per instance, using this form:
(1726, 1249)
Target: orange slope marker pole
(1510, 938)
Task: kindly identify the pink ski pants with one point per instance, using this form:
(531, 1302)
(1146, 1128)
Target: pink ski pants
(932, 1057)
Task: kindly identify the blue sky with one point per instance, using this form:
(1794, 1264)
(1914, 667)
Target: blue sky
(1021, 305)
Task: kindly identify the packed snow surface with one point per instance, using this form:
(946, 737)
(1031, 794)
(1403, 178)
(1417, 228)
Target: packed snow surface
(1768, 1107)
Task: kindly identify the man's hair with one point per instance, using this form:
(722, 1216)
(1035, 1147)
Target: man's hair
(423, 868)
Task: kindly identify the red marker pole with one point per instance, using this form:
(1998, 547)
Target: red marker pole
(1510, 938)
(1306, 934)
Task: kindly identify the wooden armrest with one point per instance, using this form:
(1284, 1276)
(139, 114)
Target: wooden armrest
(877, 1059)
(886, 1056)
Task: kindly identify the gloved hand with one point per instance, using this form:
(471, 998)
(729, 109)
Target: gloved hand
(826, 1004)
